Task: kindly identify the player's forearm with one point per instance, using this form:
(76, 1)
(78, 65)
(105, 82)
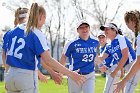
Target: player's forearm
(63, 60)
(54, 64)
(39, 74)
(49, 69)
(100, 59)
(122, 62)
(4, 60)
(122, 71)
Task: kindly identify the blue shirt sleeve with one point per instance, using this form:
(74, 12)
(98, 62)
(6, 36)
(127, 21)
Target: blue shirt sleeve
(5, 41)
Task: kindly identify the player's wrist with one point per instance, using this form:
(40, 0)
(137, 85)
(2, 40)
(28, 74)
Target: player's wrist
(100, 65)
(125, 79)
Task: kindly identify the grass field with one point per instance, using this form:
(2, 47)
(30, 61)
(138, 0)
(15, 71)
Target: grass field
(50, 87)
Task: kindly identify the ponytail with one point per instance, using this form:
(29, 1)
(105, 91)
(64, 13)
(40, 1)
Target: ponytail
(120, 32)
(16, 21)
(35, 11)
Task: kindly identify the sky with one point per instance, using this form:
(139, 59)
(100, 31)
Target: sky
(129, 5)
(7, 16)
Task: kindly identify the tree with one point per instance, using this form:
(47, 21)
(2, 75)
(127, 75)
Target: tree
(63, 14)
(101, 15)
(97, 10)
(56, 26)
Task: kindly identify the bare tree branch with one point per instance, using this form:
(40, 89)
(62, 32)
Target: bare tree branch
(119, 6)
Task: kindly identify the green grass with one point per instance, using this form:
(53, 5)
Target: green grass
(51, 87)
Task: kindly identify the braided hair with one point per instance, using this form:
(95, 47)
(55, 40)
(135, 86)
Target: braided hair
(133, 16)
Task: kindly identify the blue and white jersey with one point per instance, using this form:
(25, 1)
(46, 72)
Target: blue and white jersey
(109, 61)
(81, 54)
(22, 48)
(117, 45)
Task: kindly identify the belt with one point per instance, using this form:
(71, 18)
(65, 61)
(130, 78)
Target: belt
(84, 73)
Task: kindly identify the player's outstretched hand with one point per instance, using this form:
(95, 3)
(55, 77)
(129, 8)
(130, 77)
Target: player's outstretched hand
(43, 78)
(79, 79)
(120, 86)
(57, 77)
(103, 69)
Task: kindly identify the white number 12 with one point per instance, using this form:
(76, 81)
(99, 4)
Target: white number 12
(15, 53)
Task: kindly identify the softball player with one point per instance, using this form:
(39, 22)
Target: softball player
(108, 62)
(81, 53)
(23, 47)
(20, 15)
(132, 20)
(122, 52)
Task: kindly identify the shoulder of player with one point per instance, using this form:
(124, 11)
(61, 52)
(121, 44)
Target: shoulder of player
(37, 35)
(120, 37)
(72, 41)
(93, 37)
(22, 26)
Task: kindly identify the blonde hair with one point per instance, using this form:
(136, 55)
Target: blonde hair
(18, 18)
(35, 11)
(133, 16)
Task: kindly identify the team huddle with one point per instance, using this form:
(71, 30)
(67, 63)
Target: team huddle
(25, 48)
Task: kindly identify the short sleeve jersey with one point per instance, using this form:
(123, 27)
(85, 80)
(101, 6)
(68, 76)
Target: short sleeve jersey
(117, 45)
(23, 49)
(81, 54)
(5, 40)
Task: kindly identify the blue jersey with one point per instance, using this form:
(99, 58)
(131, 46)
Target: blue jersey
(5, 40)
(81, 54)
(23, 49)
(118, 44)
(109, 61)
